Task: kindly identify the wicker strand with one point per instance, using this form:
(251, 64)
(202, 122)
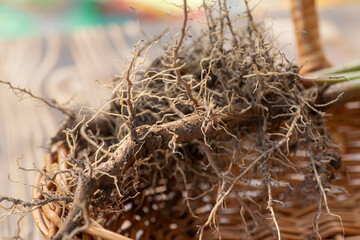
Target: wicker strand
(311, 55)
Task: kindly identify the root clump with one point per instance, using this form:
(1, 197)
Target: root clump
(211, 126)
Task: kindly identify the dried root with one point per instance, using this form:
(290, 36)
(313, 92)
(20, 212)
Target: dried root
(205, 120)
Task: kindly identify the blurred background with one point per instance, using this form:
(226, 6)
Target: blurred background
(67, 49)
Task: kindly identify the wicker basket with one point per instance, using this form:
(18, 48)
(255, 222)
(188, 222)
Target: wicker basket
(171, 219)
(311, 55)
(296, 221)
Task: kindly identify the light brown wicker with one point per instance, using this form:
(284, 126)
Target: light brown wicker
(311, 55)
(171, 220)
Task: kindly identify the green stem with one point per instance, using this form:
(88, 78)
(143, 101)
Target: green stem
(331, 79)
(347, 68)
(333, 75)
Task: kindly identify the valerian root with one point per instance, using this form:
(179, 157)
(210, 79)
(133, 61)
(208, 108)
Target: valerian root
(152, 138)
(201, 122)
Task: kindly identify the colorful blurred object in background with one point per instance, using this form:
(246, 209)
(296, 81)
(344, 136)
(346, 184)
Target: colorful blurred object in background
(21, 18)
(152, 9)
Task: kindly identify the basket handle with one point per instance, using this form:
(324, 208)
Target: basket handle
(308, 41)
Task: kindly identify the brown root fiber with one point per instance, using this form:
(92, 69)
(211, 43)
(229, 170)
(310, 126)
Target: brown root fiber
(213, 122)
(205, 120)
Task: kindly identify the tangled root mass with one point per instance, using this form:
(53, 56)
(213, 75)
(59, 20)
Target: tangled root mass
(209, 123)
